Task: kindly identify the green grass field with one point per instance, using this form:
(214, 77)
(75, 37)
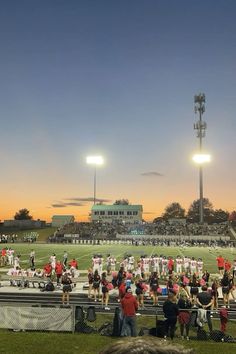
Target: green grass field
(25, 342)
(84, 253)
(78, 343)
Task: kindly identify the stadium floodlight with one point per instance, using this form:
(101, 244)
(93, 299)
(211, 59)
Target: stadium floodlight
(201, 158)
(95, 161)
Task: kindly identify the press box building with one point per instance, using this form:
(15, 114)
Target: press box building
(129, 214)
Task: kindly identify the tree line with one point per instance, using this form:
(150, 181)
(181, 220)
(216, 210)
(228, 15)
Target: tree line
(173, 210)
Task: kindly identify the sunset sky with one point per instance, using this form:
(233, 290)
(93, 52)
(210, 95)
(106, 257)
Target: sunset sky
(118, 79)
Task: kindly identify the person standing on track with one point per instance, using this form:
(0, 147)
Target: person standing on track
(220, 264)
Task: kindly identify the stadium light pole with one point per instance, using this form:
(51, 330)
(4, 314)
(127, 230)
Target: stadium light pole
(95, 161)
(200, 127)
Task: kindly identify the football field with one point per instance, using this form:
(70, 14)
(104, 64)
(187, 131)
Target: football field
(83, 253)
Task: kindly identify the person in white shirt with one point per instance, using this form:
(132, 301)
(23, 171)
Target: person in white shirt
(17, 262)
(130, 263)
(179, 265)
(10, 256)
(53, 260)
(193, 265)
(199, 267)
(113, 263)
(164, 266)
(95, 263)
(186, 264)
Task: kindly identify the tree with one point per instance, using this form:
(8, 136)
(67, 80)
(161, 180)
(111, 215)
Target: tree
(220, 215)
(232, 216)
(193, 211)
(157, 219)
(173, 210)
(121, 202)
(23, 214)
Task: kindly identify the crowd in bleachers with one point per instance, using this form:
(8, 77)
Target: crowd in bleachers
(99, 230)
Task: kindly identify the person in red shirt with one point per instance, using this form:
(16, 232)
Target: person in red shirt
(122, 289)
(129, 306)
(74, 263)
(170, 265)
(220, 264)
(58, 271)
(227, 265)
(73, 266)
(47, 270)
(3, 257)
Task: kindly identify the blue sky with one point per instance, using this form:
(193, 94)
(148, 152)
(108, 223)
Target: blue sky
(115, 78)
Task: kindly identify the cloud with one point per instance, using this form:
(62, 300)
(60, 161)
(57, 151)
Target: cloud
(152, 174)
(74, 204)
(58, 205)
(149, 212)
(74, 201)
(87, 199)
(64, 205)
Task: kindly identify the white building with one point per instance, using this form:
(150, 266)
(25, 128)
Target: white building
(61, 220)
(129, 214)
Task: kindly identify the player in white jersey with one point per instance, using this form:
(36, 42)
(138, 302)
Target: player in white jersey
(108, 264)
(164, 266)
(130, 263)
(113, 263)
(100, 262)
(17, 262)
(95, 263)
(179, 265)
(186, 264)
(52, 260)
(146, 265)
(160, 263)
(199, 267)
(10, 256)
(193, 265)
(155, 264)
(124, 264)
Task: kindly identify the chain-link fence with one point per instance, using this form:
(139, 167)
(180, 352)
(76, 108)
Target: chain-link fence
(86, 319)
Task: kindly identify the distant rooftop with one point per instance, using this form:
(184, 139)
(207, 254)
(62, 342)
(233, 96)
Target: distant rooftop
(115, 207)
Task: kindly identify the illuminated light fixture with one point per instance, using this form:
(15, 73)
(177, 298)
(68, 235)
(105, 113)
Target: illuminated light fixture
(95, 161)
(201, 158)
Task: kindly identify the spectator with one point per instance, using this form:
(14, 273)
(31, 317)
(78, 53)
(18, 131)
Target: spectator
(205, 301)
(96, 285)
(67, 288)
(105, 291)
(226, 284)
(184, 305)
(154, 287)
(129, 306)
(147, 345)
(90, 282)
(58, 271)
(171, 311)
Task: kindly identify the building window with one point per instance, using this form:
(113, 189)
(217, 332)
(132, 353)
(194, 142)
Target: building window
(110, 212)
(96, 213)
(121, 213)
(115, 213)
(135, 213)
(102, 212)
(129, 212)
